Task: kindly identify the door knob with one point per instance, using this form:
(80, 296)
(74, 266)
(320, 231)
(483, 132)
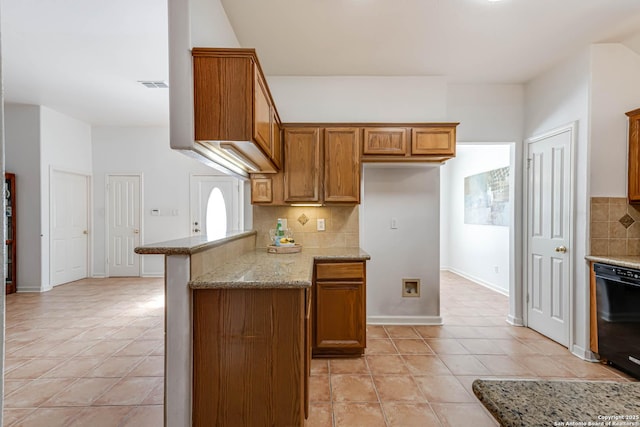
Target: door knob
(561, 249)
(85, 232)
(136, 231)
(196, 230)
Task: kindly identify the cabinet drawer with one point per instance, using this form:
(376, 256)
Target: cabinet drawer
(340, 270)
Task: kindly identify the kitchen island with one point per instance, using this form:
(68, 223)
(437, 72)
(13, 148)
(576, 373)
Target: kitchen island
(237, 343)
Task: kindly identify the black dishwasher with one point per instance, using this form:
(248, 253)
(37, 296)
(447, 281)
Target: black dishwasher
(618, 306)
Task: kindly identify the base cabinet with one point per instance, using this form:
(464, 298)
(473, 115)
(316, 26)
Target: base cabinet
(339, 327)
(249, 357)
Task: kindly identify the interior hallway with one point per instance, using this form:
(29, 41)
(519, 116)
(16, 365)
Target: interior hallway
(90, 353)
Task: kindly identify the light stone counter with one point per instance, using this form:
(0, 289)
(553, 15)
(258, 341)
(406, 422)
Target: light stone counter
(526, 403)
(191, 245)
(619, 261)
(259, 269)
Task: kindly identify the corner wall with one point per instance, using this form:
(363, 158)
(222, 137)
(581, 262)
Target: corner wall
(557, 98)
(22, 157)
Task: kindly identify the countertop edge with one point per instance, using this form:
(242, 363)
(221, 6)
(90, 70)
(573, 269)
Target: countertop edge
(189, 246)
(622, 261)
(202, 283)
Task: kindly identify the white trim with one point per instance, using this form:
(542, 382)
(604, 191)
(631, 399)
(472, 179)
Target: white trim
(89, 181)
(98, 276)
(515, 321)
(476, 280)
(106, 218)
(161, 274)
(583, 354)
(404, 320)
(573, 129)
(31, 289)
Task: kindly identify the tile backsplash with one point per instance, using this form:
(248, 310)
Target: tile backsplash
(341, 225)
(615, 227)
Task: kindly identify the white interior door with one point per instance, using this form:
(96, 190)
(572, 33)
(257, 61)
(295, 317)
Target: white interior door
(549, 225)
(215, 205)
(69, 210)
(123, 226)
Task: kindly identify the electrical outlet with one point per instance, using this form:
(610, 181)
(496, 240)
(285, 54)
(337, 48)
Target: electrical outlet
(321, 224)
(496, 269)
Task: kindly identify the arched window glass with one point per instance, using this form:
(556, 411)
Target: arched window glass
(216, 224)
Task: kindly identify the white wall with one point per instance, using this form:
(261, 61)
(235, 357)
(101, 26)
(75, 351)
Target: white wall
(557, 98)
(65, 145)
(165, 186)
(37, 139)
(22, 151)
(615, 89)
(487, 113)
(411, 195)
(359, 98)
(474, 251)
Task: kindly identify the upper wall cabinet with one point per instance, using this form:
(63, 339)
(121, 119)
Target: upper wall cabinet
(412, 142)
(385, 141)
(633, 188)
(234, 113)
(302, 165)
(342, 165)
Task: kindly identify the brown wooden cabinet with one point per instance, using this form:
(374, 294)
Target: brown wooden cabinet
(302, 165)
(10, 242)
(342, 165)
(339, 326)
(249, 357)
(409, 142)
(438, 140)
(233, 104)
(385, 141)
(633, 188)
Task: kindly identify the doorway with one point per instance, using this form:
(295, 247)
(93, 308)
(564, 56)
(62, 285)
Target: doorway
(124, 231)
(69, 226)
(215, 205)
(549, 222)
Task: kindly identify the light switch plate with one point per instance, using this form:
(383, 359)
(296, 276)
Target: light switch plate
(394, 223)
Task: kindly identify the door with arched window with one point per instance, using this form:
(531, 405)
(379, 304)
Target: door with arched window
(215, 205)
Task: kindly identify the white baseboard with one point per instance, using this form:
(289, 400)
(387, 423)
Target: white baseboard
(515, 321)
(583, 354)
(476, 280)
(404, 320)
(152, 274)
(99, 276)
(30, 289)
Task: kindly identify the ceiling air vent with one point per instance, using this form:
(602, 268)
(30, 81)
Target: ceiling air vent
(152, 84)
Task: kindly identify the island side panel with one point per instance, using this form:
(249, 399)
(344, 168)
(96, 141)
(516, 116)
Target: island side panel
(178, 339)
(248, 349)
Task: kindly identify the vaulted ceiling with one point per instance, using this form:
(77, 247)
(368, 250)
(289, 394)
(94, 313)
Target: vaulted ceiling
(85, 58)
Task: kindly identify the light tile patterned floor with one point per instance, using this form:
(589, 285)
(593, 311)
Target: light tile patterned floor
(90, 353)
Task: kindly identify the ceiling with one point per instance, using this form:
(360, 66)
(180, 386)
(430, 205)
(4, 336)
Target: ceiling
(84, 58)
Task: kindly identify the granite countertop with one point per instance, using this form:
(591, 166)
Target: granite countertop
(191, 245)
(620, 261)
(259, 269)
(525, 403)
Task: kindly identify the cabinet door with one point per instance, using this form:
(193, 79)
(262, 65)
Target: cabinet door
(302, 165)
(342, 165)
(385, 141)
(634, 157)
(261, 115)
(340, 315)
(433, 141)
(261, 190)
